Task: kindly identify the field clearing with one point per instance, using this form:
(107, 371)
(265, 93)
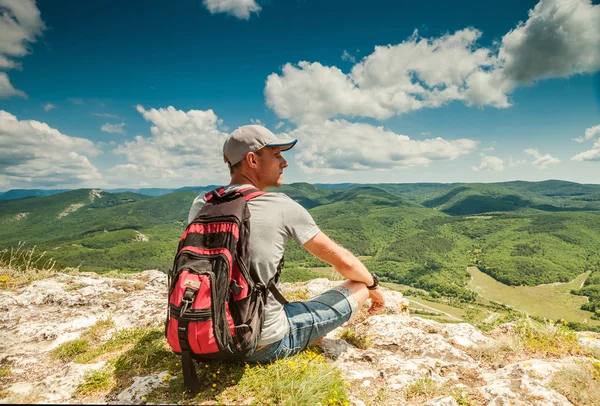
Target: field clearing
(448, 312)
(552, 301)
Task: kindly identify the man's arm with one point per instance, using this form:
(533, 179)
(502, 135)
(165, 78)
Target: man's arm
(345, 263)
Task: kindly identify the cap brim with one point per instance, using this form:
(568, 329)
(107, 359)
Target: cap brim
(284, 146)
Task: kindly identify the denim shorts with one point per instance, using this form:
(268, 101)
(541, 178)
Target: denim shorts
(309, 321)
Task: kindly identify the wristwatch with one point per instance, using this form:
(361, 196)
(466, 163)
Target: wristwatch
(375, 282)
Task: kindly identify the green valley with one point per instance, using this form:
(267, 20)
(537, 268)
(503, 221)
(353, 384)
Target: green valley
(422, 237)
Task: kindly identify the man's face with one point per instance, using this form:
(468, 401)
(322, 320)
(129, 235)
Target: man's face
(271, 166)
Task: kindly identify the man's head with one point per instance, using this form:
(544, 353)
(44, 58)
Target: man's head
(253, 154)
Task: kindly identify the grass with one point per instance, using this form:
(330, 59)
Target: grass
(426, 388)
(304, 379)
(4, 371)
(20, 266)
(362, 341)
(530, 339)
(81, 349)
(552, 301)
(96, 381)
(579, 383)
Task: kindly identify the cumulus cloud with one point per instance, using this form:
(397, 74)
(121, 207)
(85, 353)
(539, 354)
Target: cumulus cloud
(339, 146)
(559, 39)
(589, 155)
(33, 153)
(113, 128)
(49, 106)
(238, 8)
(6, 88)
(417, 73)
(184, 146)
(490, 163)
(589, 134)
(20, 25)
(541, 161)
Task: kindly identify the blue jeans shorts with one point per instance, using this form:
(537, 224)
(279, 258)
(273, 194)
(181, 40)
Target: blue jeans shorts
(309, 321)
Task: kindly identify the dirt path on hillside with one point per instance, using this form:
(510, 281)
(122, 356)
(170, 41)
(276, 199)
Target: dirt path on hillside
(435, 310)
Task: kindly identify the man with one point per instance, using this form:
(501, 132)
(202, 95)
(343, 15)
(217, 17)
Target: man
(253, 154)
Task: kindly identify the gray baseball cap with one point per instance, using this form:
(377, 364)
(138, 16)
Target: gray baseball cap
(251, 138)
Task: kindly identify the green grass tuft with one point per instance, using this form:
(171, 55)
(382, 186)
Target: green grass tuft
(362, 341)
(69, 350)
(95, 381)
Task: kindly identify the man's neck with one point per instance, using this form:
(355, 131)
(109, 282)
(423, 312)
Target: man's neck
(243, 180)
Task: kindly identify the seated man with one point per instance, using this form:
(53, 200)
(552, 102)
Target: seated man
(253, 154)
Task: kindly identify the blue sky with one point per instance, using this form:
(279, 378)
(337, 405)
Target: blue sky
(141, 94)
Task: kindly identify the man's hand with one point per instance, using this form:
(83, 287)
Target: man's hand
(377, 300)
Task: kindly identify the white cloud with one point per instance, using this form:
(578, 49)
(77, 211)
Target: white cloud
(106, 115)
(590, 155)
(346, 56)
(257, 122)
(49, 106)
(541, 161)
(512, 162)
(20, 24)
(34, 154)
(184, 146)
(559, 39)
(590, 134)
(490, 163)
(279, 125)
(238, 8)
(6, 88)
(76, 100)
(113, 128)
(339, 146)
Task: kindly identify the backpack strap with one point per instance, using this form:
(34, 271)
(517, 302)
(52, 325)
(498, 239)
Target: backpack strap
(272, 285)
(248, 194)
(190, 379)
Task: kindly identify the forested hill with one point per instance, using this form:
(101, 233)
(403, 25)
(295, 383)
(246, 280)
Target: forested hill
(422, 235)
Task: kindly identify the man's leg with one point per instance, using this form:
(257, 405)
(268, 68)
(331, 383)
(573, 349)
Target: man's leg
(311, 320)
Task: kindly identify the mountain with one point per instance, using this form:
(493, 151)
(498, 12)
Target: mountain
(22, 193)
(477, 198)
(524, 234)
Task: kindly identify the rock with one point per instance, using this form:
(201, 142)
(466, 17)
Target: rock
(141, 387)
(404, 350)
(464, 335)
(441, 401)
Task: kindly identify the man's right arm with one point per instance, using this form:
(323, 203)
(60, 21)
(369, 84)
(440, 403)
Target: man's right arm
(345, 263)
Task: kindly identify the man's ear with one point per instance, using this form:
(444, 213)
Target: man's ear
(251, 159)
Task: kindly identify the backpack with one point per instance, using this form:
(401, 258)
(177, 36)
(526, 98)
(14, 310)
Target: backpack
(216, 300)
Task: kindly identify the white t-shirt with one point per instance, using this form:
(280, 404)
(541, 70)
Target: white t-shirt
(274, 219)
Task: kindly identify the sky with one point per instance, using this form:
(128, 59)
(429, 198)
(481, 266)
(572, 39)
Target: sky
(135, 94)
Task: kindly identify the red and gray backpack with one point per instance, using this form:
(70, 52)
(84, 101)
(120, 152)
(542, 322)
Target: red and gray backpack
(216, 299)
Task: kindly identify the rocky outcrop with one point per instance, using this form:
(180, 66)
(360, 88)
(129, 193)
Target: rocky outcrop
(399, 352)
(71, 209)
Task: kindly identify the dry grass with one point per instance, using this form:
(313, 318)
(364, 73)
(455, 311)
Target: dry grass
(529, 339)
(579, 383)
(20, 266)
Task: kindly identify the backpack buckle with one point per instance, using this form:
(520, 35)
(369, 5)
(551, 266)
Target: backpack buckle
(188, 295)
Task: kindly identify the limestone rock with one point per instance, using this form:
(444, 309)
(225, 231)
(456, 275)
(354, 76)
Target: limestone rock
(402, 352)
